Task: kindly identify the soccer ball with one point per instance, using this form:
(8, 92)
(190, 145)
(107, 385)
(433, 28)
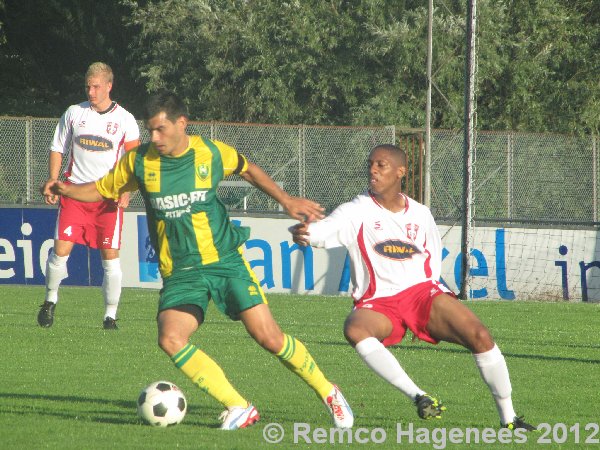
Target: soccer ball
(161, 404)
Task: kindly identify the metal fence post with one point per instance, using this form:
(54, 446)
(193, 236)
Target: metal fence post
(469, 151)
(301, 161)
(28, 159)
(509, 174)
(595, 176)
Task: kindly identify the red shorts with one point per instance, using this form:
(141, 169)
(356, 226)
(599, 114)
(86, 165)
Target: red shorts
(408, 309)
(96, 224)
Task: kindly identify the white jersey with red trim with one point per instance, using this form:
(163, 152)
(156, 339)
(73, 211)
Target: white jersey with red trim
(94, 141)
(389, 252)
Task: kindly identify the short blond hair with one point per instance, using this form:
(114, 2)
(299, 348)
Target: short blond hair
(99, 68)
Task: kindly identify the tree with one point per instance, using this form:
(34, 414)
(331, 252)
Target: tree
(48, 46)
(284, 62)
(544, 60)
(311, 61)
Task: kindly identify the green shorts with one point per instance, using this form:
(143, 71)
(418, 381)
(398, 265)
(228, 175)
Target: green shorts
(231, 284)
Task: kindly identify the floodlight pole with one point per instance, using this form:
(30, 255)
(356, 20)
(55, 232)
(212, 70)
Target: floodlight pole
(468, 152)
(427, 174)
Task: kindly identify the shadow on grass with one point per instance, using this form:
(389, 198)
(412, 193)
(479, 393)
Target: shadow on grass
(70, 399)
(118, 412)
(433, 348)
(506, 354)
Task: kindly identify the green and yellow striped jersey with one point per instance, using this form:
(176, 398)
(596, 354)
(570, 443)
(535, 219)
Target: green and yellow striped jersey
(188, 225)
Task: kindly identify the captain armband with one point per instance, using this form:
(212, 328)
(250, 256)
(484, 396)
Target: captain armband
(241, 163)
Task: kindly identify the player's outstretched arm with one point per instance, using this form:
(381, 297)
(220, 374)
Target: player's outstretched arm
(86, 192)
(123, 201)
(296, 207)
(300, 234)
(49, 197)
(54, 164)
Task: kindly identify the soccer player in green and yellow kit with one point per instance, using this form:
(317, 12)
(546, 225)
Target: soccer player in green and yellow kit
(199, 252)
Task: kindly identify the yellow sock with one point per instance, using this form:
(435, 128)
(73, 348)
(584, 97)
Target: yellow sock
(207, 375)
(296, 358)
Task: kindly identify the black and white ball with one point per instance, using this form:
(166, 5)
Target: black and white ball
(162, 404)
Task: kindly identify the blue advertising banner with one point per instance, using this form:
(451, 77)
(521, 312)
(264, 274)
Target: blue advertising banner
(507, 263)
(26, 238)
(147, 257)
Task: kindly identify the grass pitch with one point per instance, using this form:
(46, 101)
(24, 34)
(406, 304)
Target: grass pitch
(74, 386)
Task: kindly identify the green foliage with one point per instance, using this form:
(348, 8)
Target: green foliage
(50, 44)
(290, 62)
(311, 61)
(540, 57)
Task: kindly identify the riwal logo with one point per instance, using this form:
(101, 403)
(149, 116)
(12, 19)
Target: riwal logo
(395, 249)
(93, 143)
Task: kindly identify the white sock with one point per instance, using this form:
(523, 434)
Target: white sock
(383, 363)
(111, 286)
(56, 271)
(494, 372)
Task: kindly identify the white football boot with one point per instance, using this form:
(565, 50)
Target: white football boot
(339, 409)
(238, 417)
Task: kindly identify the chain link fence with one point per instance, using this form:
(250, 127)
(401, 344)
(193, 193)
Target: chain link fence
(323, 163)
(520, 178)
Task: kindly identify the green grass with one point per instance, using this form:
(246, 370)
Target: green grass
(74, 386)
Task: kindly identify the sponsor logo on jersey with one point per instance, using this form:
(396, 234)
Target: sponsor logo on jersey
(179, 204)
(93, 143)
(395, 249)
(151, 176)
(378, 225)
(202, 171)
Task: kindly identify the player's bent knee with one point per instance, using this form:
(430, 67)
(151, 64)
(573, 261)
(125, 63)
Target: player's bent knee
(171, 343)
(481, 340)
(355, 334)
(272, 342)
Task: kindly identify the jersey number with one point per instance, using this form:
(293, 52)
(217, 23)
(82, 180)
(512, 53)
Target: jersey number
(68, 231)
